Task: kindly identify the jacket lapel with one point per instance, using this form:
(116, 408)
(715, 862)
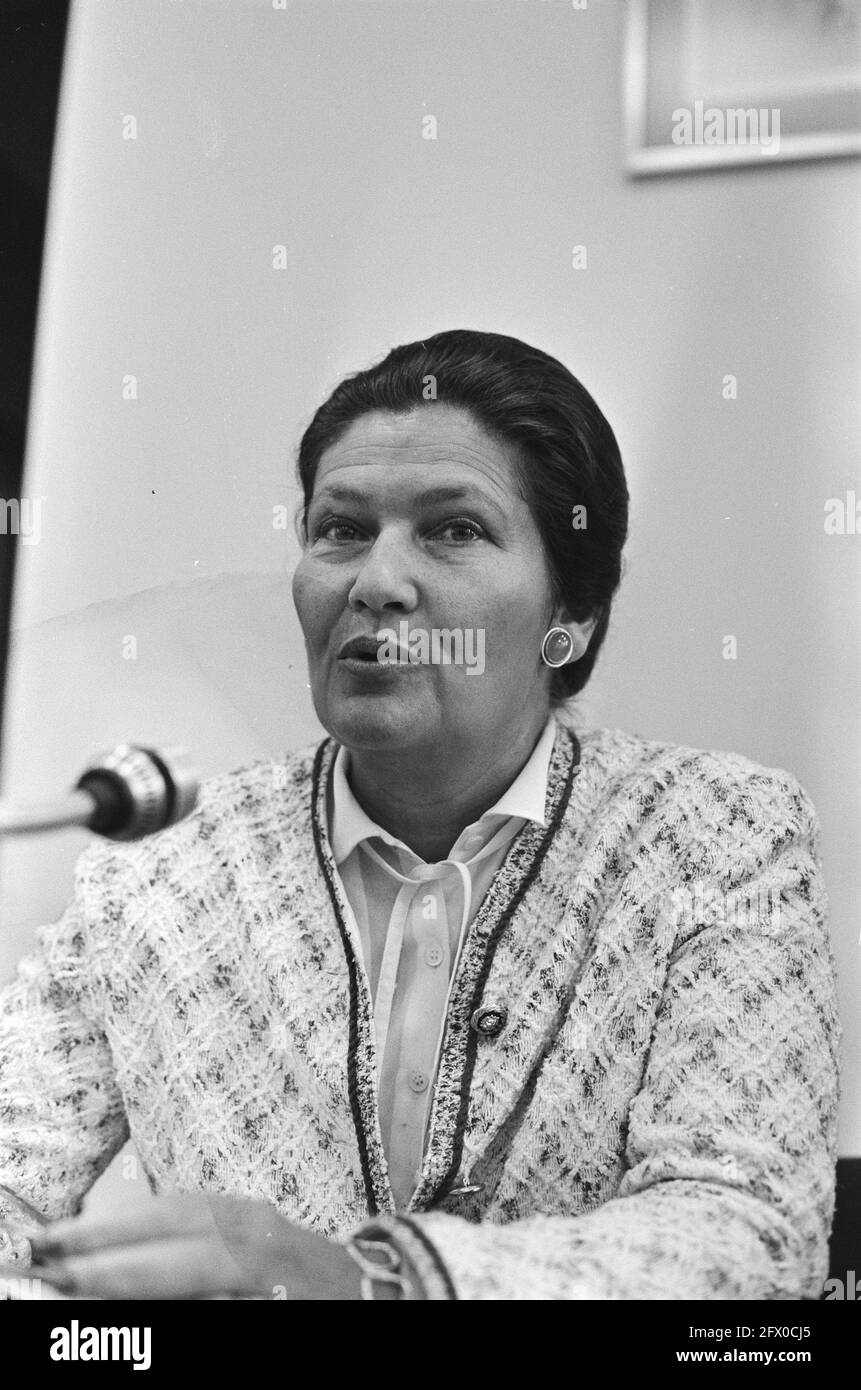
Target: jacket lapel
(361, 1044)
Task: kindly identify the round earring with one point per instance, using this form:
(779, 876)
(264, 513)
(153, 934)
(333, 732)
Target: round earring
(557, 647)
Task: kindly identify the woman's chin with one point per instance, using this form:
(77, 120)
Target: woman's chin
(379, 720)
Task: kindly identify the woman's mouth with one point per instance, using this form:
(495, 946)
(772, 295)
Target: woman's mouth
(363, 648)
(360, 656)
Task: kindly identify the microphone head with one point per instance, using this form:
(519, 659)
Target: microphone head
(137, 791)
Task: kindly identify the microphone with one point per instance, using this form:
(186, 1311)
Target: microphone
(124, 795)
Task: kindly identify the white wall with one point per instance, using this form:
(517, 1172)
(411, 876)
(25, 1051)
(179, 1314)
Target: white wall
(258, 127)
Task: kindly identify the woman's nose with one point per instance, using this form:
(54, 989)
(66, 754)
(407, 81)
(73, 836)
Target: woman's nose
(386, 577)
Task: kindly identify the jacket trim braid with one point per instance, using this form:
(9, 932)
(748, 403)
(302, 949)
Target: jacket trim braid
(354, 1087)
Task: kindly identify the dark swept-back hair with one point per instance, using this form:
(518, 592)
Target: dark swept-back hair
(566, 452)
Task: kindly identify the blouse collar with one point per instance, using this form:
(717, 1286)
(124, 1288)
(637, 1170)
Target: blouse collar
(526, 797)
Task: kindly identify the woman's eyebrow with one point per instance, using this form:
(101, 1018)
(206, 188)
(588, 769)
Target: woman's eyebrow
(425, 498)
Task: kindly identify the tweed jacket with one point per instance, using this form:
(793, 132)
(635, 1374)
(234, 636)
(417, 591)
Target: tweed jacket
(656, 1119)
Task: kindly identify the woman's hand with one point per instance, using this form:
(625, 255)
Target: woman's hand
(194, 1245)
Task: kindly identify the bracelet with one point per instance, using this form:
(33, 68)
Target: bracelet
(431, 1279)
(380, 1264)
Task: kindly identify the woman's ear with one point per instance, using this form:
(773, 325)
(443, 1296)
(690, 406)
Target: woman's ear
(580, 632)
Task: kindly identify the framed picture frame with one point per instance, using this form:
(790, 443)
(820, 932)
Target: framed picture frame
(716, 83)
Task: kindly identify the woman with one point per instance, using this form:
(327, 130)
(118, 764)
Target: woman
(458, 1003)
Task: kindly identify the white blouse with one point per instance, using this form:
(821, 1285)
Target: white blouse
(411, 918)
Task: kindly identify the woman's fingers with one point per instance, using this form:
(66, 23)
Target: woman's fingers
(174, 1214)
(176, 1268)
(189, 1245)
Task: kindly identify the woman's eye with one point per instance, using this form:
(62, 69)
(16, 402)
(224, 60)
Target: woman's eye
(330, 528)
(461, 530)
(340, 531)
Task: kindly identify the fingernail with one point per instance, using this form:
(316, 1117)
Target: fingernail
(44, 1250)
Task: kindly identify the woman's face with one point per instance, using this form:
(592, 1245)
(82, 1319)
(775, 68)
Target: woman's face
(417, 524)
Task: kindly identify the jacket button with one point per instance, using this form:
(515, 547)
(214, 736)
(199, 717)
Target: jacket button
(489, 1020)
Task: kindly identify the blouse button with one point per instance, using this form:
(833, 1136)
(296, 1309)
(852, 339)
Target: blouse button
(433, 955)
(489, 1020)
(417, 1080)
